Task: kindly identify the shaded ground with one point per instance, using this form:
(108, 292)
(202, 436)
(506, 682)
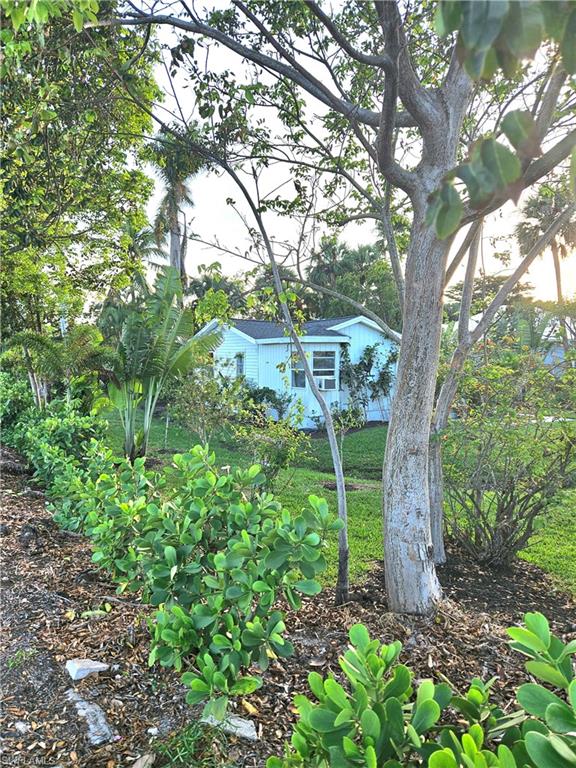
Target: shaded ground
(48, 583)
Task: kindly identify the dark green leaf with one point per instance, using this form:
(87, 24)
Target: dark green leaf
(520, 129)
(535, 699)
(549, 751)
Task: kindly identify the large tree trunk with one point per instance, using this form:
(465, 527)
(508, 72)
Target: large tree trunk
(175, 245)
(411, 581)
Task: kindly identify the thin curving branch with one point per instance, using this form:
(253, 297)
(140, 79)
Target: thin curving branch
(384, 327)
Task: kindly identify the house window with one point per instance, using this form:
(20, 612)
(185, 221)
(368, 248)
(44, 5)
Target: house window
(298, 375)
(239, 365)
(324, 364)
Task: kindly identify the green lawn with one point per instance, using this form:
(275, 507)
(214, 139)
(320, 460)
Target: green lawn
(553, 548)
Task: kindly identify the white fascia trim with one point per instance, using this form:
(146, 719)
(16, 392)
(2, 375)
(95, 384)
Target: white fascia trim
(215, 323)
(307, 340)
(242, 334)
(359, 319)
(207, 328)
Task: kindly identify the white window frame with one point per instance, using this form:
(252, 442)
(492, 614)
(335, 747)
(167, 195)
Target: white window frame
(324, 373)
(240, 364)
(297, 370)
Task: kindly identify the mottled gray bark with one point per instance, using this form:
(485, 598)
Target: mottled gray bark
(411, 581)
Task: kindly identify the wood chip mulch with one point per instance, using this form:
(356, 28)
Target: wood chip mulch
(48, 584)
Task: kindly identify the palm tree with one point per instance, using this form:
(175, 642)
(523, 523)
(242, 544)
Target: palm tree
(52, 360)
(175, 164)
(141, 247)
(154, 344)
(539, 211)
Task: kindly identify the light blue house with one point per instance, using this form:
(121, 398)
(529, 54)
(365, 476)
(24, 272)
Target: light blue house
(261, 351)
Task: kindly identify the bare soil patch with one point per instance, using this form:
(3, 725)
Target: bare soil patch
(331, 486)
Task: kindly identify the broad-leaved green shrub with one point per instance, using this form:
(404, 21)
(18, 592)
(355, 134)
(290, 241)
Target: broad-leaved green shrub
(213, 554)
(74, 490)
(211, 550)
(15, 399)
(51, 437)
(382, 720)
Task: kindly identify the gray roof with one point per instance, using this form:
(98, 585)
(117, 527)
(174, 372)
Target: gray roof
(264, 329)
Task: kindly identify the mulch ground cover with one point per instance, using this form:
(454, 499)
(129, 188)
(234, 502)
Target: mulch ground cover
(56, 606)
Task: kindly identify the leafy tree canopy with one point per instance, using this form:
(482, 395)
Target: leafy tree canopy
(71, 179)
(359, 273)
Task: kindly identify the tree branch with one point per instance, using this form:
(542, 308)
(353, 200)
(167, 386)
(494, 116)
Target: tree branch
(466, 243)
(468, 289)
(421, 103)
(392, 247)
(301, 77)
(549, 101)
(524, 265)
(384, 61)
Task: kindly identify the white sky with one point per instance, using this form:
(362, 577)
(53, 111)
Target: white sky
(212, 219)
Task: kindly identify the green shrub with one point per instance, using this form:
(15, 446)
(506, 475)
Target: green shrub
(215, 559)
(269, 398)
(74, 489)
(383, 722)
(205, 401)
(506, 456)
(273, 443)
(51, 437)
(15, 399)
(211, 551)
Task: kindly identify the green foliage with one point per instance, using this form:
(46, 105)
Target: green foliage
(52, 437)
(266, 396)
(275, 443)
(369, 378)
(383, 721)
(359, 273)
(59, 361)
(508, 454)
(345, 419)
(499, 35)
(205, 401)
(70, 172)
(209, 549)
(493, 36)
(490, 170)
(15, 399)
(194, 745)
(175, 164)
(213, 555)
(155, 343)
(549, 733)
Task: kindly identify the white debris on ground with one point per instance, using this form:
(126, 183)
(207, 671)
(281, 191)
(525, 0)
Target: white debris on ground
(78, 669)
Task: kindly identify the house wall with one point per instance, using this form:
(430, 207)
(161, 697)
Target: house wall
(225, 356)
(268, 365)
(275, 372)
(362, 336)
